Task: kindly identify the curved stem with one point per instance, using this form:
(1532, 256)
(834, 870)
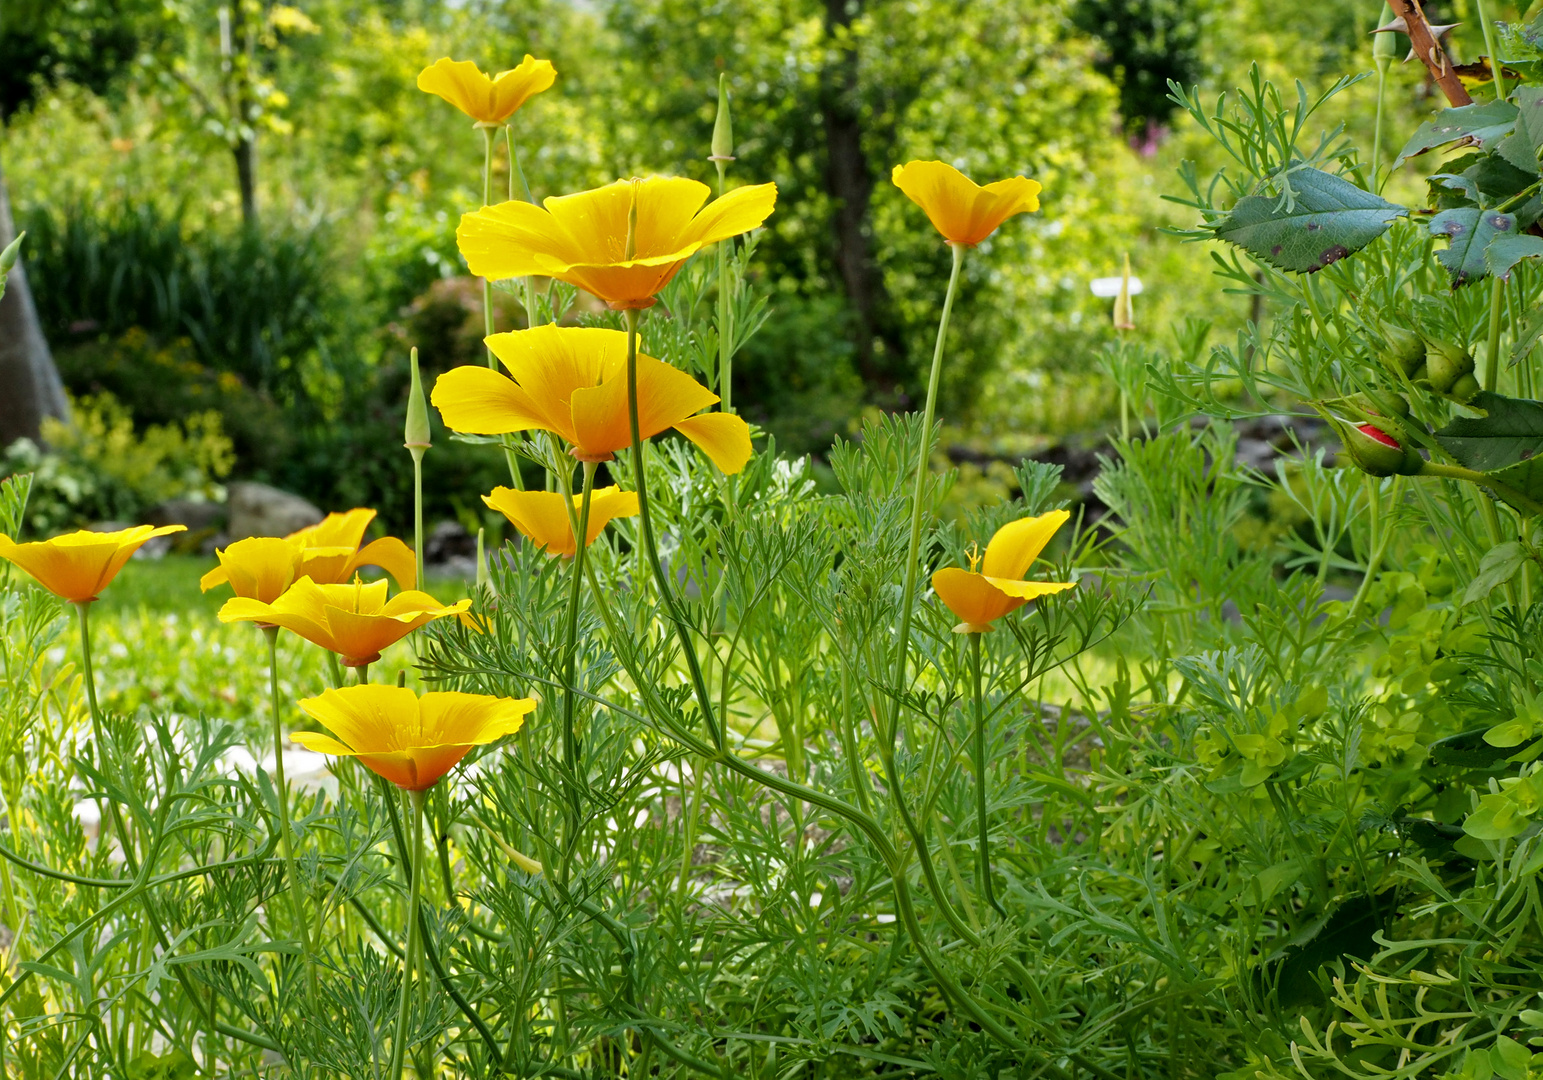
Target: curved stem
(983, 831)
(83, 609)
(650, 550)
(414, 942)
(570, 662)
(286, 840)
(1505, 491)
(924, 452)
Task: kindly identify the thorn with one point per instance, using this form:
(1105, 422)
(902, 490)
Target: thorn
(1397, 26)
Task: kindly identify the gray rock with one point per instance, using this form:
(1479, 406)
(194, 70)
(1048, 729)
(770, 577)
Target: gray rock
(261, 510)
(197, 515)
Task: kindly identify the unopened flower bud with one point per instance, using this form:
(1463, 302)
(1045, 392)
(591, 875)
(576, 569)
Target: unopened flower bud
(1405, 349)
(723, 126)
(1385, 43)
(1377, 453)
(11, 253)
(1445, 363)
(8, 259)
(1465, 389)
(1124, 312)
(416, 435)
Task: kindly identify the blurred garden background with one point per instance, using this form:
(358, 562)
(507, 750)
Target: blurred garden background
(240, 215)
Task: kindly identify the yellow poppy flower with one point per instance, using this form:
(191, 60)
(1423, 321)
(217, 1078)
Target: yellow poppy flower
(979, 599)
(573, 381)
(258, 568)
(582, 238)
(330, 551)
(355, 621)
(79, 565)
(541, 516)
(488, 101)
(960, 209)
(411, 741)
(262, 567)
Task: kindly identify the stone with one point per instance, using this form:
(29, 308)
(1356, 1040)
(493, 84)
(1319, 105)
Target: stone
(197, 515)
(263, 510)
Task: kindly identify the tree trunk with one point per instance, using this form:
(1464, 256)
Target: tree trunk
(881, 356)
(246, 176)
(29, 383)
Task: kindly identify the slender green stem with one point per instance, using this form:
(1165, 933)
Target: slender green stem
(650, 549)
(1377, 541)
(570, 664)
(517, 175)
(417, 452)
(1492, 352)
(83, 609)
(1496, 68)
(924, 452)
(414, 941)
(1382, 85)
(725, 316)
(983, 830)
(1505, 491)
(487, 200)
(286, 839)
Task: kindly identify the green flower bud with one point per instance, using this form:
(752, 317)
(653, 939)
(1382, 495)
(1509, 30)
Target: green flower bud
(1405, 350)
(1465, 389)
(1445, 363)
(723, 126)
(8, 259)
(11, 253)
(1384, 44)
(416, 434)
(1380, 403)
(1377, 453)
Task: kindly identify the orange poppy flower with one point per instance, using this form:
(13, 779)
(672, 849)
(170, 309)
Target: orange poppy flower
(960, 209)
(582, 239)
(573, 381)
(411, 741)
(979, 599)
(355, 621)
(79, 565)
(541, 515)
(488, 101)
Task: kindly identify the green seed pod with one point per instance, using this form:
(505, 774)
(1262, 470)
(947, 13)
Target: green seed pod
(416, 432)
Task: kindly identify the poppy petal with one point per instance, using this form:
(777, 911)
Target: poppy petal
(723, 437)
(1017, 544)
(737, 212)
(479, 401)
(461, 83)
(391, 555)
(971, 597)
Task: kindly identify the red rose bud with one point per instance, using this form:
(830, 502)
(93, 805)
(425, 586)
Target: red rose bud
(1377, 453)
(1380, 435)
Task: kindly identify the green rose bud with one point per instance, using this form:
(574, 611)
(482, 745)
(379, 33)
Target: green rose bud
(1404, 348)
(1445, 363)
